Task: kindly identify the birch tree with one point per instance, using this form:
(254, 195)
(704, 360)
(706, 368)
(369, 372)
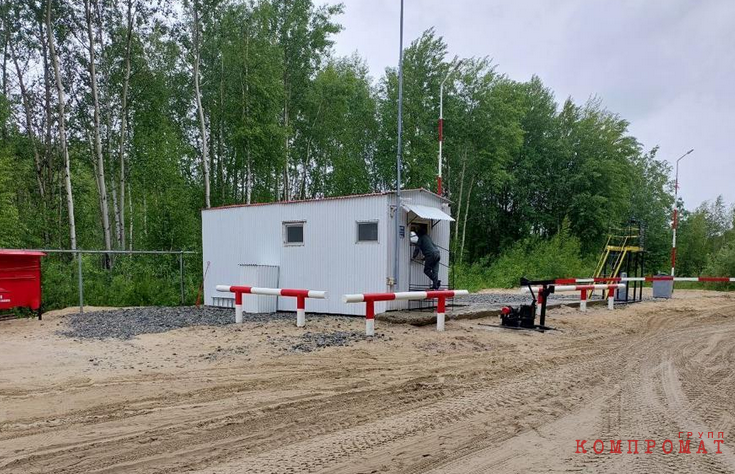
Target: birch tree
(100, 168)
(62, 128)
(196, 44)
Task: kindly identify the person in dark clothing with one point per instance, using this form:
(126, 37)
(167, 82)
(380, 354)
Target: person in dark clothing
(431, 257)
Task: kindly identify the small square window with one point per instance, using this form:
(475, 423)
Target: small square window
(367, 231)
(293, 233)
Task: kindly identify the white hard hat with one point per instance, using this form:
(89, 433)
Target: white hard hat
(414, 238)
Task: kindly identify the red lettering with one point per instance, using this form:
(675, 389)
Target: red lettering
(615, 448)
(684, 447)
(689, 434)
(680, 432)
(718, 442)
(650, 444)
(636, 446)
(663, 447)
(581, 445)
(701, 448)
(602, 446)
(700, 434)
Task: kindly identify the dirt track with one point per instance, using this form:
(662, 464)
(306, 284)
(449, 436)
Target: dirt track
(473, 399)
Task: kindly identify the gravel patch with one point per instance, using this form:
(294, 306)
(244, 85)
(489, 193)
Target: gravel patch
(128, 323)
(310, 341)
(510, 298)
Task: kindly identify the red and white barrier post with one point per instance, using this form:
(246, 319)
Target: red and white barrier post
(583, 300)
(611, 297)
(300, 295)
(370, 298)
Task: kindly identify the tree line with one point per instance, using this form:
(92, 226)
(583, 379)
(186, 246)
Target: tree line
(120, 120)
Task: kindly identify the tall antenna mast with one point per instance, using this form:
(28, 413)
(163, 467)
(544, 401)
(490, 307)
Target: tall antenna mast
(399, 157)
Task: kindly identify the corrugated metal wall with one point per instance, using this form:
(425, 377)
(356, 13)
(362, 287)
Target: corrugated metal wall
(331, 259)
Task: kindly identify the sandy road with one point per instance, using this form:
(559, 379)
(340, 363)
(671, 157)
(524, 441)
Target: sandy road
(474, 399)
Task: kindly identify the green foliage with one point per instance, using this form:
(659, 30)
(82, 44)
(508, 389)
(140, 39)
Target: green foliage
(141, 280)
(722, 263)
(535, 258)
(535, 184)
(12, 227)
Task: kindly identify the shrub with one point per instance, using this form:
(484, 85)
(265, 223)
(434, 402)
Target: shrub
(535, 258)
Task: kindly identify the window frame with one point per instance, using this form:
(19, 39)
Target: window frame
(286, 225)
(377, 229)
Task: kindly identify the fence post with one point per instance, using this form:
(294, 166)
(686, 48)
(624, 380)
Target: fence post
(81, 282)
(181, 275)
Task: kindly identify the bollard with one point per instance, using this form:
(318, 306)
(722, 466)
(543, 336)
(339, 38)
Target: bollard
(441, 309)
(238, 307)
(583, 300)
(300, 311)
(611, 299)
(369, 318)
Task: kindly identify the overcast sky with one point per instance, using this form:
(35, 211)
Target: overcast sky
(667, 66)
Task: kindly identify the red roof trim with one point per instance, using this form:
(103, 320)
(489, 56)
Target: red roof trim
(29, 253)
(332, 198)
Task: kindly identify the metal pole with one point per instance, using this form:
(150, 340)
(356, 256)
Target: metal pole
(181, 275)
(675, 220)
(399, 159)
(81, 282)
(441, 135)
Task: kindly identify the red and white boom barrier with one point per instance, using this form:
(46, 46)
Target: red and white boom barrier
(648, 279)
(370, 298)
(300, 296)
(583, 289)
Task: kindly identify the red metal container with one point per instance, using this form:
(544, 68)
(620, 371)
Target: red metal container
(20, 279)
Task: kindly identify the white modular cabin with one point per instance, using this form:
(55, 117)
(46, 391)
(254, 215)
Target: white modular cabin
(340, 245)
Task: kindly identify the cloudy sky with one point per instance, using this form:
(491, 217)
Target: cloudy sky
(667, 66)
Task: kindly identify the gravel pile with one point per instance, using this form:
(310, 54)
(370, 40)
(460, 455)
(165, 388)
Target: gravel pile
(128, 323)
(309, 342)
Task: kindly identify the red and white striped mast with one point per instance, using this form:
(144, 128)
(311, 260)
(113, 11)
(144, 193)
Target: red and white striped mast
(675, 220)
(441, 125)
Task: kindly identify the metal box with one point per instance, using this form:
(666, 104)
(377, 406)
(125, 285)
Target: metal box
(663, 288)
(263, 276)
(20, 279)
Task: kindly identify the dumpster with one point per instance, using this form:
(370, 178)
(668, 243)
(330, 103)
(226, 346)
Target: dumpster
(20, 279)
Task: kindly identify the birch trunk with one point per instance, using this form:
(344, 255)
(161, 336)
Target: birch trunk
(200, 110)
(62, 130)
(104, 207)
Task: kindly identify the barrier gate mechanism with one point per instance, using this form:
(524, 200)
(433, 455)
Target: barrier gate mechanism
(524, 317)
(300, 295)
